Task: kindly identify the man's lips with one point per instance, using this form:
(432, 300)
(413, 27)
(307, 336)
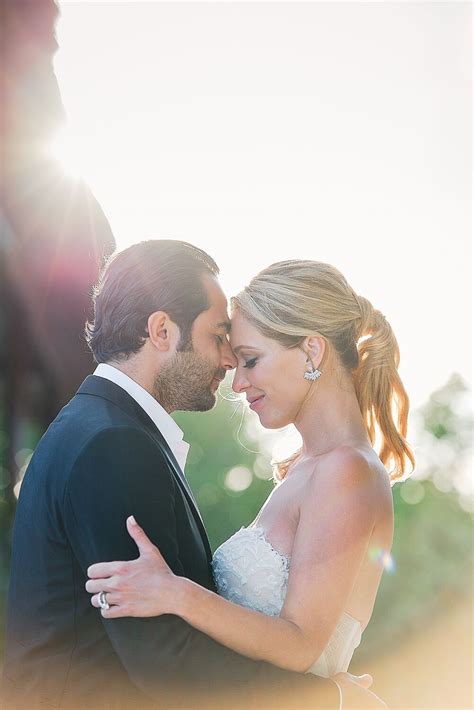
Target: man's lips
(254, 402)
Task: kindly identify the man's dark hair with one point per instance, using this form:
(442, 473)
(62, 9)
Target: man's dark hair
(156, 275)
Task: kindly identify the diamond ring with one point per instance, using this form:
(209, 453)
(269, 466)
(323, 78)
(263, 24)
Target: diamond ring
(103, 603)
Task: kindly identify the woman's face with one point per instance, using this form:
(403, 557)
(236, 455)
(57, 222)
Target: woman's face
(270, 375)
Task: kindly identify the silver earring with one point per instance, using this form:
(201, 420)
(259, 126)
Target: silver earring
(313, 374)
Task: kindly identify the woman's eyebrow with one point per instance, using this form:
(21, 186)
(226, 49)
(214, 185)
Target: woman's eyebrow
(244, 347)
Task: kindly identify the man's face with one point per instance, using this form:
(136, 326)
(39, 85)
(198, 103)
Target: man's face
(190, 381)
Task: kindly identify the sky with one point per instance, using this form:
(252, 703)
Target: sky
(339, 132)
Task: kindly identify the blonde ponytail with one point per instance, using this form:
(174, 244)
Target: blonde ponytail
(291, 300)
(382, 398)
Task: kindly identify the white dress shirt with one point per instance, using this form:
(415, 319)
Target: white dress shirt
(167, 426)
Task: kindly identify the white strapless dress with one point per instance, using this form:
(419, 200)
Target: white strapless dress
(250, 572)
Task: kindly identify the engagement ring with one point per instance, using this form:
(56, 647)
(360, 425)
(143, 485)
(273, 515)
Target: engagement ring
(103, 603)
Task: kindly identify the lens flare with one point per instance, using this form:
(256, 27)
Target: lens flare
(381, 556)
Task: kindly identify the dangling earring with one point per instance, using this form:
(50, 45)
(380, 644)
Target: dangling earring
(313, 374)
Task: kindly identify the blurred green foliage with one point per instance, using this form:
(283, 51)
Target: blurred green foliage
(216, 447)
(432, 566)
(432, 551)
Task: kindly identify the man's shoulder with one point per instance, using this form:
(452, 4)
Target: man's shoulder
(120, 439)
(97, 406)
(90, 429)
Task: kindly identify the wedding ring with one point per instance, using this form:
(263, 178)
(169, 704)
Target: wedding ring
(103, 603)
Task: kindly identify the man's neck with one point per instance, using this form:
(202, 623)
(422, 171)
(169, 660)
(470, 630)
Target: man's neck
(132, 370)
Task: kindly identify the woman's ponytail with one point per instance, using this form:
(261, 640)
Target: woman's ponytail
(382, 397)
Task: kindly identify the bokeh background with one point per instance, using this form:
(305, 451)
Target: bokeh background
(259, 131)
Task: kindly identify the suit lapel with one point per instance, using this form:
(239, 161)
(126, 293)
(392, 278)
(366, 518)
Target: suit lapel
(186, 490)
(100, 387)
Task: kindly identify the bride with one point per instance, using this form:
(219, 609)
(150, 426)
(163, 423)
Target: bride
(297, 587)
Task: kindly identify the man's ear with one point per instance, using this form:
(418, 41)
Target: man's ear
(315, 347)
(163, 333)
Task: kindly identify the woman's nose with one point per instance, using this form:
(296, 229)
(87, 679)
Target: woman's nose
(240, 382)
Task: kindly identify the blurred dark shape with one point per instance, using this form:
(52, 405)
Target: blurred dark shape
(53, 239)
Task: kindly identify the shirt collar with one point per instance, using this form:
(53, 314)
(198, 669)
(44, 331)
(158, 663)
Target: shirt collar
(160, 417)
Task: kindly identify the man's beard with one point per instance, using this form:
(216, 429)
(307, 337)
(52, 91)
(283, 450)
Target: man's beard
(185, 383)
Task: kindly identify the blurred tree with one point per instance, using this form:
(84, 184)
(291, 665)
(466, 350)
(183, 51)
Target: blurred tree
(432, 550)
(445, 427)
(430, 567)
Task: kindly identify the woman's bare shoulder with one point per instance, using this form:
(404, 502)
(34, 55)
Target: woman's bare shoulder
(349, 471)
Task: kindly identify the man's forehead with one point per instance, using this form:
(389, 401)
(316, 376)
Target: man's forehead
(217, 302)
(213, 288)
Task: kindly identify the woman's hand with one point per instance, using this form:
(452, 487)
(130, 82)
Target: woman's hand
(142, 587)
(355, 691)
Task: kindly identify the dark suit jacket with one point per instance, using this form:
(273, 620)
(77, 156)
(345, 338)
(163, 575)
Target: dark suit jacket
(101, 460)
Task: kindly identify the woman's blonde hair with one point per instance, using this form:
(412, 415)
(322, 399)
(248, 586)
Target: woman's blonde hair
(291, 300)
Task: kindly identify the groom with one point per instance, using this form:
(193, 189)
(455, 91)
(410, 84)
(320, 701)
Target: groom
(160, 338)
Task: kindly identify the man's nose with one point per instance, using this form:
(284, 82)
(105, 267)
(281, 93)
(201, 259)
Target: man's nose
(229, 361)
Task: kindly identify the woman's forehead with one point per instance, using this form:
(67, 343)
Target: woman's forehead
(240, 325)
(243, 333)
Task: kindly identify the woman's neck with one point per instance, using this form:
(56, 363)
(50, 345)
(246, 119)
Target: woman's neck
(330, 416)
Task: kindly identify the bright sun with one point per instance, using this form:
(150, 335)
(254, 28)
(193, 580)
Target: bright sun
(71, 153)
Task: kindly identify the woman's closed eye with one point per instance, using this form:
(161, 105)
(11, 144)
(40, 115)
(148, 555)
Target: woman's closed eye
(251, 363)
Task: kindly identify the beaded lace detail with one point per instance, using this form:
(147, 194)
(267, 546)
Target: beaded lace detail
(250, 572)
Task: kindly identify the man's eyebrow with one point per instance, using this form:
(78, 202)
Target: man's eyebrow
(225, 324)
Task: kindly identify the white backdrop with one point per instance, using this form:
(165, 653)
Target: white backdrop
(262, 131)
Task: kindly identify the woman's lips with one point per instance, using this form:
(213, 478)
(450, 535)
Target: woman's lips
(256, 403)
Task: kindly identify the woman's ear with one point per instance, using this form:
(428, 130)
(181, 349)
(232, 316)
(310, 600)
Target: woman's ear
(163, 333)
(315, 347)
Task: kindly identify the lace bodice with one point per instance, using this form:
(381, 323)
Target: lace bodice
(250, 572)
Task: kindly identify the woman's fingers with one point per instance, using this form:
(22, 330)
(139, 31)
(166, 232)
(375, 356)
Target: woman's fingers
(94, 586)
(365, 680)
(114, 612)
(115, 609)
(106, 569)
(110, 597)
(123, 583)
(148, 551)
(141, 539)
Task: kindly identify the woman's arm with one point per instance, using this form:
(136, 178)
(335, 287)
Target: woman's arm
(250, 633)
(336, 522)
